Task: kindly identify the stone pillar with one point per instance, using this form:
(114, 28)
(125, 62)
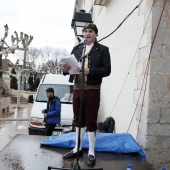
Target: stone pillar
(154, 115)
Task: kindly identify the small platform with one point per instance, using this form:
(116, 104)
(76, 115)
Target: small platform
(25, 153)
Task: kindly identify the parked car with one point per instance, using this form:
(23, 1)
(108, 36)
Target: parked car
(62, 89)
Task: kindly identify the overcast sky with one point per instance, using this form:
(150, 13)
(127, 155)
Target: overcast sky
(48, 21)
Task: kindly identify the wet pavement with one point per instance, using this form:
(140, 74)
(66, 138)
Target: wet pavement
(25, 153)
(20, 151)
(8, 129)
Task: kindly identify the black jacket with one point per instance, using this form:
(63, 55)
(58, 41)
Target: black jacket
(99, 62)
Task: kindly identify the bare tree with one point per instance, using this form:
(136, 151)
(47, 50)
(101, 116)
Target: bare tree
(51, 66)
(42, 61)
(24, 39)
(57, 52)
(32, 56)
(46, 52)
(43, 56)
(52, 53)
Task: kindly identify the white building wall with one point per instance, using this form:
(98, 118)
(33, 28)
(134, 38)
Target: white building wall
(152, 111)
(123, 45)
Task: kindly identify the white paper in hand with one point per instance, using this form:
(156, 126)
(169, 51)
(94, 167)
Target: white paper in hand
(72, 61)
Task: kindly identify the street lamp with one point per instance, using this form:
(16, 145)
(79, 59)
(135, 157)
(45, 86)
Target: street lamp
(79, 20)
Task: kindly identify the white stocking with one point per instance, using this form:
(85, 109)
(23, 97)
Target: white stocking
(92, 140)
(82, 132)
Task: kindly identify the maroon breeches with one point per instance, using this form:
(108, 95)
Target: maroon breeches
(90, 108)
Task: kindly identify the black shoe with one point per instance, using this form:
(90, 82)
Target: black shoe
(91, 160)
(72, 155)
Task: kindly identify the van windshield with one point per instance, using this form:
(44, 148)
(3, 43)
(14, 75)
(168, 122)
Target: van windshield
(64, 92)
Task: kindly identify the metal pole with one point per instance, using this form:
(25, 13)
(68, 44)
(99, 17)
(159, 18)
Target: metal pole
(1, 89)
(23, 67)
(18, 92)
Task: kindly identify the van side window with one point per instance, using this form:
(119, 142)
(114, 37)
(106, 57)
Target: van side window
(63, 92)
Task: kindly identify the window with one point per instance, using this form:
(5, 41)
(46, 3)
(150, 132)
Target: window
(63, 92)
(101, 2)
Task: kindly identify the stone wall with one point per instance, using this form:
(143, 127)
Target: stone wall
(6, 80)
(24, 94)
(4, 104)
(153, 113)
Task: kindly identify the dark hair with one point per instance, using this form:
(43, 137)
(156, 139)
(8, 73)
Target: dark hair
(51, 90)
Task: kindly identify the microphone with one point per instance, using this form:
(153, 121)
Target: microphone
(83, 52)
(80, 39)
(83, 56)
(84, 44)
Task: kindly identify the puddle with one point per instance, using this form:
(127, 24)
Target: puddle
(5, 115)
(21, 127)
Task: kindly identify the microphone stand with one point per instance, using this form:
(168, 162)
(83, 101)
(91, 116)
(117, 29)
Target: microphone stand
(76, 165)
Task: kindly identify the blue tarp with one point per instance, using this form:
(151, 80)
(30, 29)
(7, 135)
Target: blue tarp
(105, 142)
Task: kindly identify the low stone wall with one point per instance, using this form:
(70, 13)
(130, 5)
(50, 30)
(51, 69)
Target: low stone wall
(4, 104)
(24, 94)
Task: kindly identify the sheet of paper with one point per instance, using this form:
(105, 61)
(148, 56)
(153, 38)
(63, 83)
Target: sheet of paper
(72, 61)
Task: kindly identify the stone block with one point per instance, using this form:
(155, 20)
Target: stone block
(159, 99)
(156, 14)
(161, 66)
(5, 103)
(168, 26)
(166, 51)
(151, 142)
(158, 130)
(156, 51)
(159, 143)
(165, 116)
(166, 143)
(152, 156)
(164, 157)
(157, 158)
(163, 36)
(158, 82)
(153, 115)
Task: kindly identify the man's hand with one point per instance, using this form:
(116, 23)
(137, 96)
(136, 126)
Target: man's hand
(43, 111)
(65, 68)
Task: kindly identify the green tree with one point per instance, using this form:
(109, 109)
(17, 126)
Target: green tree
(37, 82)
(30, 82)
(13, 82)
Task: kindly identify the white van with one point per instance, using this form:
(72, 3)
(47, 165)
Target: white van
(63, 89)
